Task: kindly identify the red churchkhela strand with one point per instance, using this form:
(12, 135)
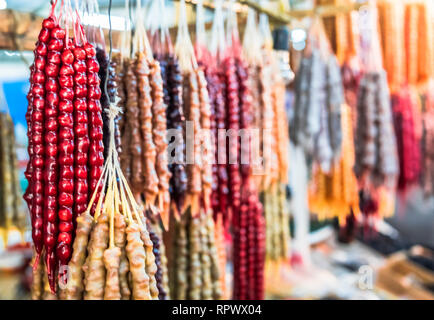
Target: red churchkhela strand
(52, 68)
(36, 184)
(28, 195)
(81, 132)
(66, 155)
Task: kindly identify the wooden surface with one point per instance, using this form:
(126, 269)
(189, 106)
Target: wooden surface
(18, 30)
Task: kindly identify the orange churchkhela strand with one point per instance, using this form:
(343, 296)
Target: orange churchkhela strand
(419, 42)
(392, 38)
(334, 194)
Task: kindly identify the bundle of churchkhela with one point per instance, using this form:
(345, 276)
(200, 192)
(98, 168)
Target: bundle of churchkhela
(65, 136)
(267, 114)
(406, 115)
(316, 125)
(115, 252)
(197, 110)
(208, 60)
(398, 46)
(406, 34)
(144, 157)
(194, 271)
(419, 60)
(335, 194)
(390, 18)
(218, 201)
(324, 131)
(192, 251)
(376, 165)
(248, 225)
(173, 99)
(343, 33)
(12, 212)
(419, 43)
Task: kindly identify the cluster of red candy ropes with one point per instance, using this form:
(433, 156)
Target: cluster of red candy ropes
(65, 138)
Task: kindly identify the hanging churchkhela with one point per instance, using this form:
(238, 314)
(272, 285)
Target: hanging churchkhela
(335, 194)
(319, 95)
(114, 251)
(144, 144)
(245, 208)
(419, 49)
(208, 62)
(65, 137)
(333, 189)
(277, 217)
(376, 165)
(408, 134)
(173, 99)
(326, 130)
(97, 225)
(197, 111)
(194, 268)
(399, 47)
(95, 35)
(390, 17)
(117, 240)
(193, 257)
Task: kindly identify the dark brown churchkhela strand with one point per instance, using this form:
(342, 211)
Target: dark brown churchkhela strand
(175, 120)
(106, 72)
(162, 295)
(96, 147)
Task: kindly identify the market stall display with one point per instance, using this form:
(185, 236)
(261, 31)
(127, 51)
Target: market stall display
(160, 171)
